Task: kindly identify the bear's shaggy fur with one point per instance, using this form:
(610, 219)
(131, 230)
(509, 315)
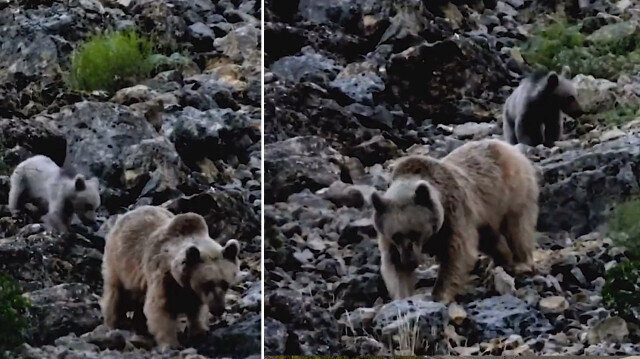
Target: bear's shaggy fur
(532, 113)
(55, 193)
(159, 265)
(482, 196)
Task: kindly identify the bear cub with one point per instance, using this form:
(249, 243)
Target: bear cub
(159, 265)
(532, 113)
(39, 186)
(483, 196)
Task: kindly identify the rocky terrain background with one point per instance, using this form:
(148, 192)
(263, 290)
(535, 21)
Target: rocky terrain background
(353, 85)
(188, 138)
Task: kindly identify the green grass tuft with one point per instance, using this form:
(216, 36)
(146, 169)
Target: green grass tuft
(13, 307)
(624, 227)
(619, 115)
(111, 61)
(621, 291)
(560, 43)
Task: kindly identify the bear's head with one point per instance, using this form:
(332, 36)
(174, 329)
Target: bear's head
(202, 264)
(84, 196)
(561, 93)
(407, 215)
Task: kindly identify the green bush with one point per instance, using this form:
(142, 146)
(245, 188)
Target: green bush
(111, 61)
(13, 306)
(619, 115)
(621, 291)
(561, 43)
(624, 227)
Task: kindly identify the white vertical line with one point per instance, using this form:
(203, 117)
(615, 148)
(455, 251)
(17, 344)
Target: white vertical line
(262, 173)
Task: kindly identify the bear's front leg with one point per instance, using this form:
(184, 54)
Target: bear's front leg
(198, 321)
(456, 265)
(400, 283)
(161, 324)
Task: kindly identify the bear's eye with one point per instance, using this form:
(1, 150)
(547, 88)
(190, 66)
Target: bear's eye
(571, 99)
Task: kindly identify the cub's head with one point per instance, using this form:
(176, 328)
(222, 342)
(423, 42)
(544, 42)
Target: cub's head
(406, 216)
(202, 264)
(562, 93)
(84, 196)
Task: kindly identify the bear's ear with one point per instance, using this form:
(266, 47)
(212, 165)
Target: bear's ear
(80, 184)
(379, 203)
(192, 256)
(231, 250)
(422, 196)
(186, 224)
(552, 82)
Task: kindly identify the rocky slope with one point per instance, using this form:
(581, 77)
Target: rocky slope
(353, 85)
(188, 138)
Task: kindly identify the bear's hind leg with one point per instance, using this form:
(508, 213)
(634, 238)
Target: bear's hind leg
(495, 245)
(114, 305)
(519, 230)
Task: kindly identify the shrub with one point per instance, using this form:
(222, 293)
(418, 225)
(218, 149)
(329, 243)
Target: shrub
(561, 43)
(13, 306)
(619, 115)
(621, 291)
(111, 61)
(624, 227)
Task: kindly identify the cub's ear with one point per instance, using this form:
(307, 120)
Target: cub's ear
(422, 196)
(231, 250)
(552, 82)
(80, 184)
(378, 202)
(186, 224)
(192, 256)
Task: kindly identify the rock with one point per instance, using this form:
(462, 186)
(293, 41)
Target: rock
(362, 346)
(474, 131)
(51, 308)
(457, 314)
(376, 150)
(601, 172)
(612, 329)
(426, 83)
(553, 305)
(503, 282)
(402, 317)
(214, 134)
(298, 163)
(310, 66)
(275, 337)
(201, 36)
(505, 315)
(359, 81)
(594, 94)
(243, 338)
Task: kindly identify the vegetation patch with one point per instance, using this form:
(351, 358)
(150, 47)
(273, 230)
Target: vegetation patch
(605, 53)
(13, 307)
(621, 291)
(111, 61)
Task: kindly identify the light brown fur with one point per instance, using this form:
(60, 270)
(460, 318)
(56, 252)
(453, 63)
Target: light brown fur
(489, 197)
(147, 270)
